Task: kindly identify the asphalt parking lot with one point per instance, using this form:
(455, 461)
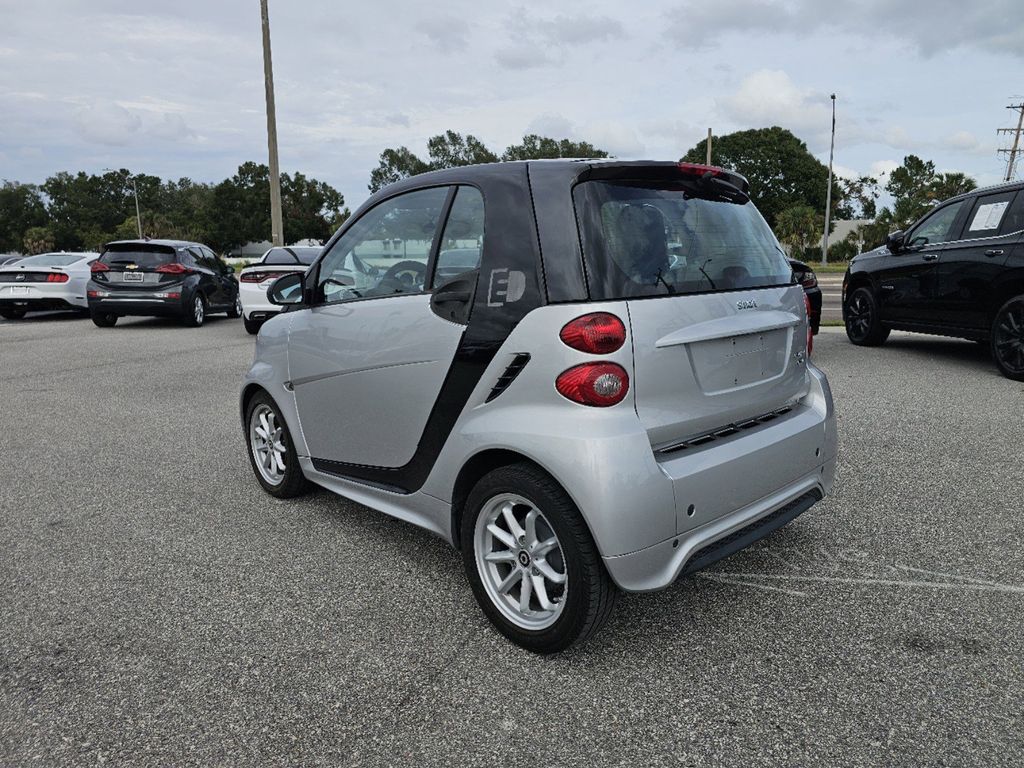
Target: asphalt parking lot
(157, 608)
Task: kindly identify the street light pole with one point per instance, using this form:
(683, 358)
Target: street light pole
(828, 194)
(138, 215)
(276, 225)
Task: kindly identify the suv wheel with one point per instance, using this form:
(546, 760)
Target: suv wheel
(252, 326)
(533, 567)
(12, 313)
(104, 319)
(271, 451)
(863, 325)
(1008, 339)
(195, 315)
(236, 310)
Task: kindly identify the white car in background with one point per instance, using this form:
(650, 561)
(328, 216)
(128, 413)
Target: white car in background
(49, 281)
(254, 280)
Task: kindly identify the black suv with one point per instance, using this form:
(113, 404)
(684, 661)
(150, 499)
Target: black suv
(958, 271)
(161, 278)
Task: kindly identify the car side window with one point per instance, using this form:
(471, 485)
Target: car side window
(987, 215)
(463, 238)
(359, 265)
(937, 227)
(1014, 219)
(196, 256)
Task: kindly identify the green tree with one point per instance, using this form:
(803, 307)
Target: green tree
(797, 227)
(21, 207)
(310, 207)
(857, 198)
(446, 150)
(781, 170)
(38, 240)
(534, 147)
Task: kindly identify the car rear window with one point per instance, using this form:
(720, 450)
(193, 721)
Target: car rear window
(147, 257)
(652, 239)
(51, 260)
(303, 255)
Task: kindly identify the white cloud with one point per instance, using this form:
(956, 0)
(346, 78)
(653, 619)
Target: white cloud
(107, 123)
(447, 33)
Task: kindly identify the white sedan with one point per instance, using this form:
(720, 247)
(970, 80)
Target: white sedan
(254, 280)
(48, 281)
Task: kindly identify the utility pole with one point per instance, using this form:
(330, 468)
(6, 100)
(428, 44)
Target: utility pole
(1016, 148)
(138, 215)
(828, 193)
(707, 160)
(276, 225)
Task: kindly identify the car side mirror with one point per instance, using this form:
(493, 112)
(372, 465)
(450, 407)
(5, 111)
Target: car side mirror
(894, 241)
(286, 291)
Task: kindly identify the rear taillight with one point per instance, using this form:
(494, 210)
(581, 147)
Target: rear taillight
(597, 384)
(259, 277)
(56, 277)
(174, 268)
(99, 266)
(599, 333)
(810, 332)
(808, 279)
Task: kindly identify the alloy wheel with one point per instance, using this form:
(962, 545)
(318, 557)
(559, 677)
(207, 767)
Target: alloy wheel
(858, 316)
(266, 440)
(198, 310)
(1008, 343)
(520, 561)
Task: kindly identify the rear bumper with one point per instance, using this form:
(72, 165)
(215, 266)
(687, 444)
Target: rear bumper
(733, 492)
(42, 296)
(255, 305)
(147, 307)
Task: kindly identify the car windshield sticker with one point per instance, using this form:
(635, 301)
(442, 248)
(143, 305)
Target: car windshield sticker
(988, 216)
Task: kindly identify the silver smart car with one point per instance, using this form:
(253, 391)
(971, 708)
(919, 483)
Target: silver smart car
(589, 376)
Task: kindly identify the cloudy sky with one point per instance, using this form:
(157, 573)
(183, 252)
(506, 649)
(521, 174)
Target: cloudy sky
(176, 88)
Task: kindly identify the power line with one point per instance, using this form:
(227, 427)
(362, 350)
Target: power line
(1016, 148)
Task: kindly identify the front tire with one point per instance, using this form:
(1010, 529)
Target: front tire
(1007, 339)
(195, 314)
(863, 323)
(531, 562)
(12, 313)
(271, 450)
(236, 310)
(103, 319)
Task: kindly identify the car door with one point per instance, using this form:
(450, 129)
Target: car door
(367, 360)
(226, 276)
(908, 282)
(972, 262)
(209, 280)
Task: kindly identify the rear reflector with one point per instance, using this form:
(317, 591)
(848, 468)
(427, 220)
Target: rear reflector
(599, 333)
(174, 268)
(97, 294)
(596, 384)
(56, 277)
(99, 266)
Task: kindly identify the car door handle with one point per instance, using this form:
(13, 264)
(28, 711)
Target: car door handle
(930, 256)
(994, 253)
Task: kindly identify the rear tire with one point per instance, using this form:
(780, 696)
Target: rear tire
(551, 554)
(863, 324)
(12, 313)
(252, 326)
(270, 446)
(103, 319)
(1007, 339)
(236, 310)
(195, 315)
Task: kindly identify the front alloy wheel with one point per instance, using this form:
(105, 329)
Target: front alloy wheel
(1008, 339)
(271, 451)
(863, 324)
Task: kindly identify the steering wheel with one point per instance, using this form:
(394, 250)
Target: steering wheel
(407, 273)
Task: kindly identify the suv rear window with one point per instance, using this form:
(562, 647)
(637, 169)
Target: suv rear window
(146, 257)
(653, 239)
